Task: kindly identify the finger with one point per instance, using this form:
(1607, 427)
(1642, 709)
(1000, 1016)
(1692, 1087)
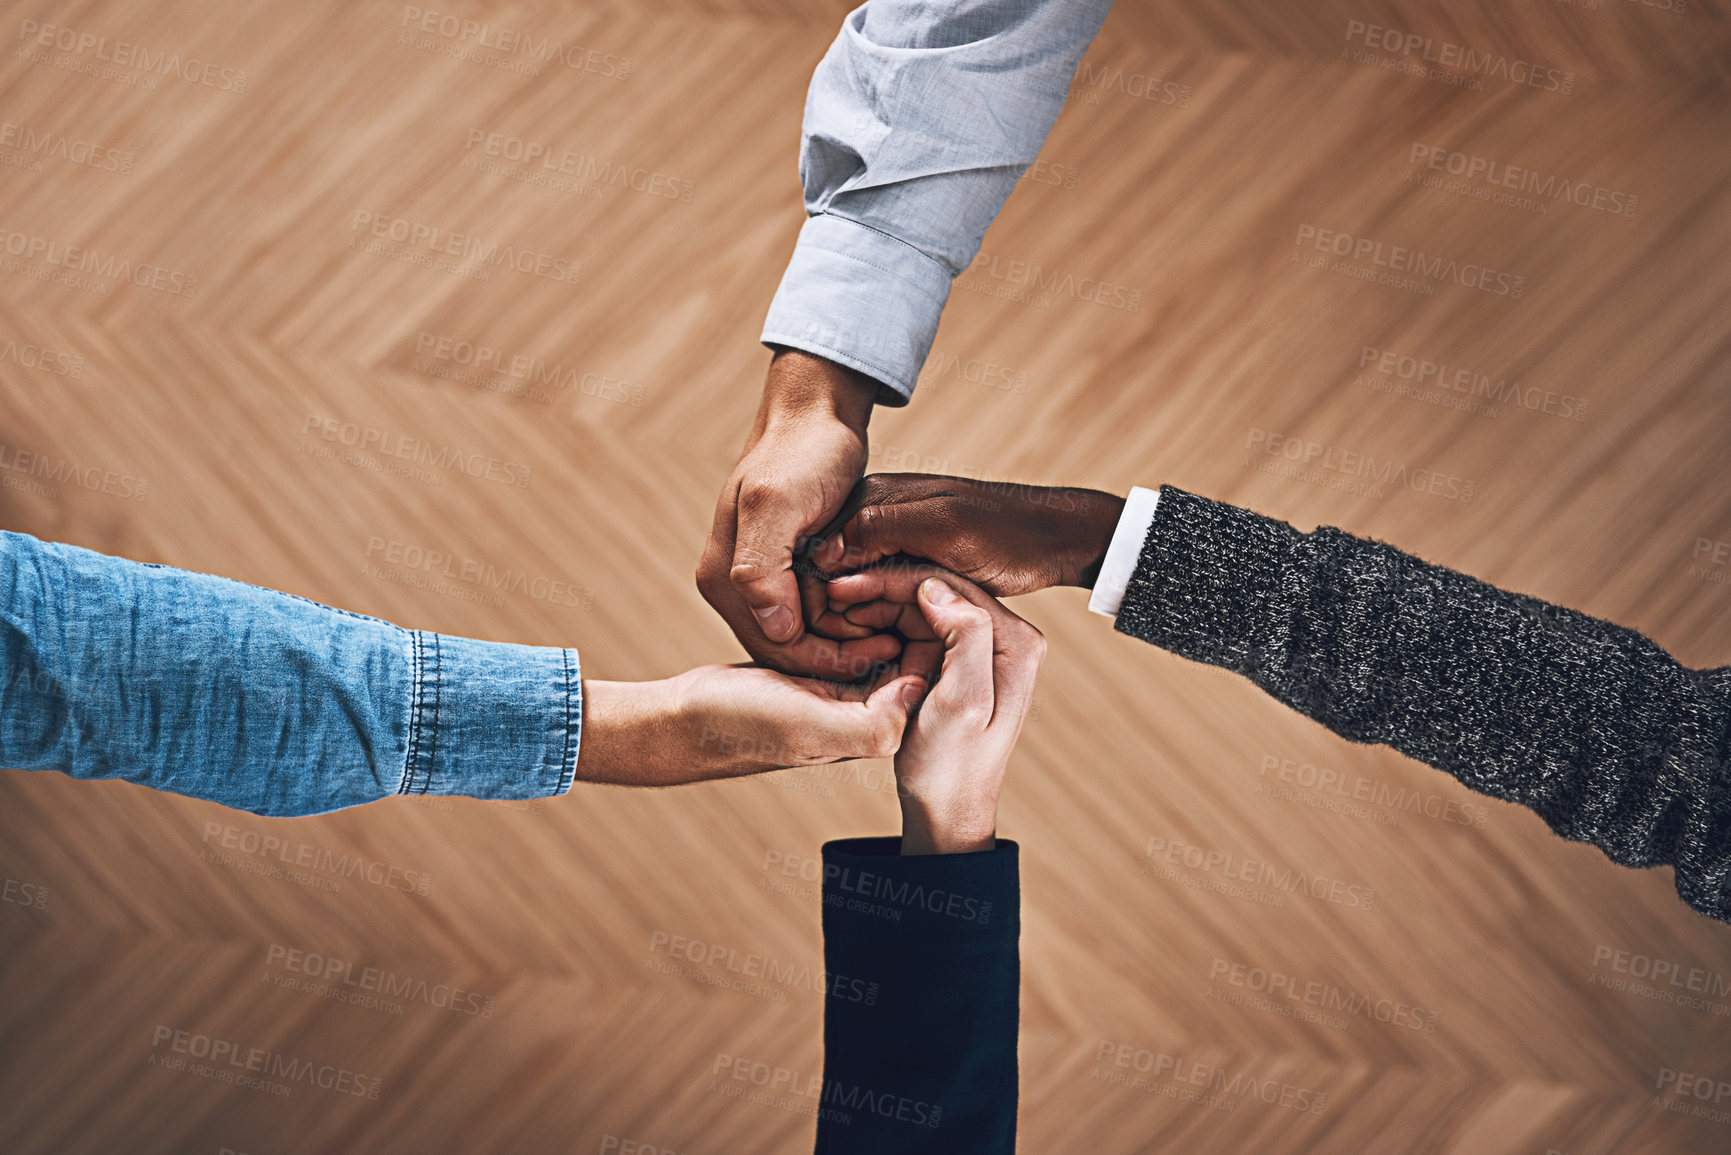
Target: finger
(873, 615)
(906, 620)
(838, 627)
(888, 710)
(827, 553)
(896, 580)
(1017, 651)
(768, 528)
(846, 661)
(965, 681)
(820, 619)
(879, 531)
(913, 627)
(925, 658)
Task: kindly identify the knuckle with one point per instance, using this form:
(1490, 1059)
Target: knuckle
(975, 711)
(975, 617)
(759, 494)
(868, 522)
(747, 572)
(750, 565)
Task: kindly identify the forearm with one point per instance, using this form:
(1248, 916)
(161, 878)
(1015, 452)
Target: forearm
(263, 701)
(921, 956)
(1589, 724)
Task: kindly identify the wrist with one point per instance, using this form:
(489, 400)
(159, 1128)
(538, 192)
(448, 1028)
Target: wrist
(928, 828)
(801, 387)
(620, 721)
(1091, 536)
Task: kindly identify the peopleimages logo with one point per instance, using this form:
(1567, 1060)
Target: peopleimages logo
(29, 355)
(83, 259)
(47, 474)
(1327, 996)
(1357, 788)
(845, 880)
(757, 965)
(1425, 374)
(1354, 467)
(123, 54)
(57, 145)
(344, 981)
(481, 574)
(470, 249)
(1499, 175)
(1171, 853)
(479, 364)
(1160, 1067)
(229, 1062)
(567, 162)
(1675, 1088)
(1400, 259)
(365, 437)
(468, 37)
(269, 848)
(1141, 86)
(829, 1092)
(1026, 280)
(1458, 58)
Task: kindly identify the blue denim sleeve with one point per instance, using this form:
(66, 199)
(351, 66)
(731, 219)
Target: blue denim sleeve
(261, 700)
(919, 121)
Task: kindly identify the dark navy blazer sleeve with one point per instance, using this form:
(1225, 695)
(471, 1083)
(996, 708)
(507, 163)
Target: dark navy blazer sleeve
(927, 1066)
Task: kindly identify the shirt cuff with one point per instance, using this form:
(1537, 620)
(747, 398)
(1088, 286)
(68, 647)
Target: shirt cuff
(1125, 550)
(492, 719)
(860, 298)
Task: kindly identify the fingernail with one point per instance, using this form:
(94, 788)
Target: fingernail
(776, 622)
(912, 693)
(831, 550)
(937, 592)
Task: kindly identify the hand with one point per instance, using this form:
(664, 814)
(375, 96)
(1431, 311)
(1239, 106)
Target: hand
(805, 451)
(1008, 539)
(951, 762)
(724, 721)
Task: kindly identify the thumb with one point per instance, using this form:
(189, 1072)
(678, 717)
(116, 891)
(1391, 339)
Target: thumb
(888, 710)
(966, 631)
(762, 569)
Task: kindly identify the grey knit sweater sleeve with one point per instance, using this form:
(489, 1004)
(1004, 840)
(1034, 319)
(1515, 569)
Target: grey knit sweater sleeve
(1592, 726)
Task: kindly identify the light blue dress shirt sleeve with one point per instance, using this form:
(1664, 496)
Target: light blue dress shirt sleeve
(261, 700)
(919, 121)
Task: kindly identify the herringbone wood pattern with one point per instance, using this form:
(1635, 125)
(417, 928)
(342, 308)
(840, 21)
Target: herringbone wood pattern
(1487, 950)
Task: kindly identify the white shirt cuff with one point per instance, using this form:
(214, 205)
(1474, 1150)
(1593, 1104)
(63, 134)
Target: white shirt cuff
(1125, 551)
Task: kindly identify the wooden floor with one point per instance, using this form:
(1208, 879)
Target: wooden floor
(1476, 986)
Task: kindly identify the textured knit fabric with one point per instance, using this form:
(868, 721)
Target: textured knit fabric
(261, 700)
(1590, 725)
(919, 122)
(926, 1063)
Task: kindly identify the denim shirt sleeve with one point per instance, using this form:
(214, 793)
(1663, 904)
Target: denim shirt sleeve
(919, 121)
(261, 700)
